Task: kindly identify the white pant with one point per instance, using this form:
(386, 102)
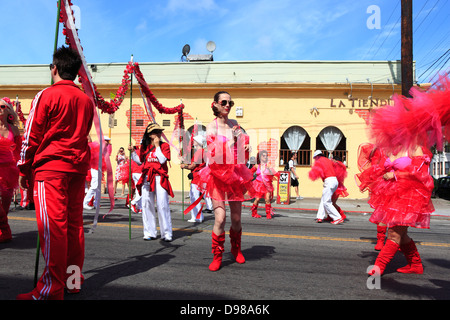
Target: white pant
(137, 197)
(194, 193)
(326, 205)
(148, 210)
(92, 189)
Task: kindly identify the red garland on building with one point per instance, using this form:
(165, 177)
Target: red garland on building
(112, 106)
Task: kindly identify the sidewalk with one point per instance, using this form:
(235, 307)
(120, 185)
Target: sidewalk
(442, 206)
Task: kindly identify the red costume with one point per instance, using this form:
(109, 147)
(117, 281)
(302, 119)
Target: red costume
(9, 177)
(56, 147)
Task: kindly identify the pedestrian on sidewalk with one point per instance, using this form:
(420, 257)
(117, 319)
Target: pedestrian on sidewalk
(56, 147)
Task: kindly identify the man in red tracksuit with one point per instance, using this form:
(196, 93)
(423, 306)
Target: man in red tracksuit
(55, 146)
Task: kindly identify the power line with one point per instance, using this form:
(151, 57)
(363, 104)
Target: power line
(446, 52)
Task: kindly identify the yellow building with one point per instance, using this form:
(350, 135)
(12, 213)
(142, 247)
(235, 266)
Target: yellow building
(282, 105)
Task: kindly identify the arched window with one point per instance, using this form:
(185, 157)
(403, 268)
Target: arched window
(295, 139)
(333, 143)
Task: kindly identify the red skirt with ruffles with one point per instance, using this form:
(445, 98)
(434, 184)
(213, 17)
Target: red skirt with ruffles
(226, 182)
(9, 172)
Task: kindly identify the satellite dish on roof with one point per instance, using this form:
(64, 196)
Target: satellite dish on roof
(211, 46)
(186, 50)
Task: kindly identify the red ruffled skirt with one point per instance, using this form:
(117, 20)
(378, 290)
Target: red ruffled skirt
(226, 182)
(9, 172)
(261, 188)
(401, 202)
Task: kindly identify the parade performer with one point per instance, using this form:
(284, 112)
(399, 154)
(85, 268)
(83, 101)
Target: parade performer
(226, 177)
(402, 195)
(122, 170)
(324, 168)
(136, 174)
(371, 166)
(90, 199)
(56, 147)
(263, 184)
(197, 164)
(341, 173)
(10, 142)
(154, 155)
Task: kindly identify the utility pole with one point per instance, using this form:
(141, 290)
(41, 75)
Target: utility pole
(407, 47)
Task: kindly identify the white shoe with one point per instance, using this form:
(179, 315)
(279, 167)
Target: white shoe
(192, 220)
(87, 207)
(299, 198)
(167, 239)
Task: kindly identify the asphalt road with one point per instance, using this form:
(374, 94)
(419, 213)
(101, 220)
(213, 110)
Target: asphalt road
(288, 258)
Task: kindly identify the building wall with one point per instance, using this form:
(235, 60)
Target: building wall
(269, 109)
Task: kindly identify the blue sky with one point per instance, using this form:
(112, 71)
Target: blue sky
(156, 30)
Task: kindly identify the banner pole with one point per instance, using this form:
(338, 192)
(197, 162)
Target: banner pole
(130, 177)
(38, 245)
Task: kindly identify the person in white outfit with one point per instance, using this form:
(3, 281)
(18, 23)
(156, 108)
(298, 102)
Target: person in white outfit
(324, 168)
(197, 163)
(154, 183)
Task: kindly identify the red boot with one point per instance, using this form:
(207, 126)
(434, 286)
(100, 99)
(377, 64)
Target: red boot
(381, 236)
(255, 211)
(384, 257)
(413, 258)
(235, 239)
(269, 211)
(217, 250)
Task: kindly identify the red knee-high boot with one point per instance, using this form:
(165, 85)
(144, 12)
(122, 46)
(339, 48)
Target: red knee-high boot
(255, 211)
(235, 239)
(384, 257)
(217, 249)
(269, 211)
(412, 256)
(381, 236)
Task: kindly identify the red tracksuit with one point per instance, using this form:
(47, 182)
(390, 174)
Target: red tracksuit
(56, 147)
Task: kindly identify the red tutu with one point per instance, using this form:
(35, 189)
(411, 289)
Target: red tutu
(263, 183)
(224, 179)
(9, 172)
(405, 200)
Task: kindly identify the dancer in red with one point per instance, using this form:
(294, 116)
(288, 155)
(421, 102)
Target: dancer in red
(371, 165)
(401, 195)
(226, 177)
(56, 147)
(263, 184)
(10, 142)
(324, 168)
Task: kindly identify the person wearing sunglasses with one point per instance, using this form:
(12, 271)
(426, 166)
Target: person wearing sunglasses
(55, 150)
(226, 176)
(10, 142)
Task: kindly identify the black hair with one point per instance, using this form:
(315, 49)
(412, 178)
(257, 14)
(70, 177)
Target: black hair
(216, 99)
(68, 62)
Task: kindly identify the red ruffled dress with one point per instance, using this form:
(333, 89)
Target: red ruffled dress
(264, 180)
(226, 177)
(404, 200)
(9, 155)
(122, 169)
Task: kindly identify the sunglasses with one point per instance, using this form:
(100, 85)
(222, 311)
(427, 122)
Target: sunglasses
(51, 66)
(223, 103)
(3, 106)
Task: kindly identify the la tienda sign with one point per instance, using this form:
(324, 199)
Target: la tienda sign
(359, 103)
